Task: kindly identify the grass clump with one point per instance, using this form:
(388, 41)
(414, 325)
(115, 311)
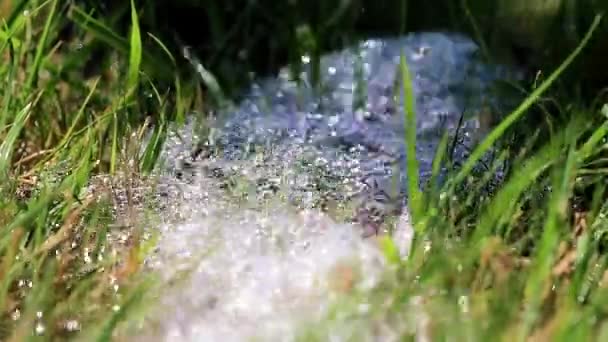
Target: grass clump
(526, 262)
(66, 269)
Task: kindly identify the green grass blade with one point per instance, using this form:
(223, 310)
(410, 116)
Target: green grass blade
(135, 54)
(114, 152)
(180, 106)
(438, 160)
(153, 148)
(17, 12)
(163, 47)
(7, 146)
(545, 257)
(414, 193)
(41, 49)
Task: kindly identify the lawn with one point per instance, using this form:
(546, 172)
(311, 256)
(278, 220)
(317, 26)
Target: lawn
(525, 261)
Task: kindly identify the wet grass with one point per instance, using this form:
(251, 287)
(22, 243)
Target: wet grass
(528, 262)
(67, 269)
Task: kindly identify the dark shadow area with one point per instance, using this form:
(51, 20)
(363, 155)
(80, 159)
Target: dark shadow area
(234, 38)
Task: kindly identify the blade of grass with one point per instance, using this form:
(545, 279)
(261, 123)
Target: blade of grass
(414, 193)
(41, 48)
(163, 47)
(135, 52)
(114, 151)
(9, 88)
(537, 284)
(7, 146)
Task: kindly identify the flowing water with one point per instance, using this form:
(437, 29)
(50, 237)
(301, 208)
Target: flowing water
(266, 222)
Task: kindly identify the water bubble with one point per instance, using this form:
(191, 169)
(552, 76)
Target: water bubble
(427, 246)
(72, 325)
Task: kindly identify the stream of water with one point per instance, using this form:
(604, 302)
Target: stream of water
(257, 226)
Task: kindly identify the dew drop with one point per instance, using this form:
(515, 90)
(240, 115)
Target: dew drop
(72, 325)
(40, 328)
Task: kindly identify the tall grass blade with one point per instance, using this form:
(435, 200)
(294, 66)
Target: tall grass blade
(545, 257)
(414, 193)
(41, 48)
(163, 47)
(135, 54)
(8, 145)
(114, 151)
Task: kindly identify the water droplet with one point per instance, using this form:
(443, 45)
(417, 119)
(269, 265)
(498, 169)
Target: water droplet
(463, 302)
(40, 328)
(72, 325)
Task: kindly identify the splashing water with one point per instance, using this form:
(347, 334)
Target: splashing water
(243, 229)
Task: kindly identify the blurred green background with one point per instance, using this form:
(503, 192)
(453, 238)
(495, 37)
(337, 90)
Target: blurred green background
(234, 37)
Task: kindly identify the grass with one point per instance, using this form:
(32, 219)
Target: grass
(528, 262)
(66, 270)
(524, 263)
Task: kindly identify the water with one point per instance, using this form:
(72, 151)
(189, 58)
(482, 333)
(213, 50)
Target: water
(268, 218)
